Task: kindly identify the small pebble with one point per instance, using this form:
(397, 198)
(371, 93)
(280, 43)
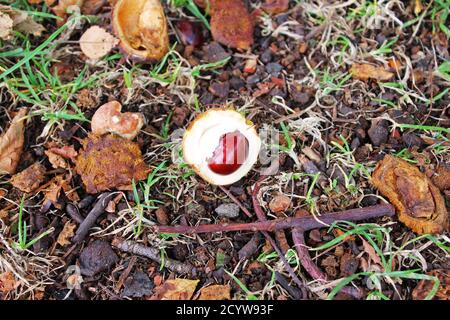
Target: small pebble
(228, 210)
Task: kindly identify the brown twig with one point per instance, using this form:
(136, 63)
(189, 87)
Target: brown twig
(151, 253)
(236, 200)
(93, 215)
(298, 237)
(262, 217)
(303, 223)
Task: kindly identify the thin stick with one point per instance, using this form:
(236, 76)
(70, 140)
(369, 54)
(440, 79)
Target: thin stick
(93, 215)
(303, 223)
(151, 253)
(262, 217)
(236, 200)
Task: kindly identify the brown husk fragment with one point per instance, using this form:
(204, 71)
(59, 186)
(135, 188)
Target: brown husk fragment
(110, 162)
(141, 26)
(420, 205)
(29, 179)
(231, 23)
(424, 287)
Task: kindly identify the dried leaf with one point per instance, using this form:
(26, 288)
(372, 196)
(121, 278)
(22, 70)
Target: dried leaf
(6, 26)
(275, 6)
(29, 179)
(67, 152)
(424, 287)
(91, 7)
(53, 191)
(371, 252)
(13, 19)
(61, 9)
(176, 289)
(231, 23)
(66, 234)
(418, 7)
(420, 205)
(215, 292)
(365, 72)
(110, 162)
(11, 144)
(96, 43)
(7, 282)
(56, 160)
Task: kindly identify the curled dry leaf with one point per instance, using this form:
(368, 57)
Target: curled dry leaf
(215, 292)
(91, 7)
(108, 118)
(176, 289)
(110, 162)
(231, 23)
(7, 282)
(51, 194)
(424, 287)
(29, 179)
(11, 144)
(61, 9)
(141, 26)
(365, 72)
(67, 152)
(420, 205)
(66, 234)
(275, 6)
(96, 43)
(13, 19)
(56, 160)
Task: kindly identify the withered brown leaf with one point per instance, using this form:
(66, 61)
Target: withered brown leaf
(176, 289)
(110, 162)
(420, 205)
(29, 179)
(424, 287)
(11, 144)
(56, 160)
(7, 282)
(215, 292)
(366, 71)
(66, 233)
(231, 23)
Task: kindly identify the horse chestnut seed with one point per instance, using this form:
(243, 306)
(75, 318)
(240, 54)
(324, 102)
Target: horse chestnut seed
(230, 154)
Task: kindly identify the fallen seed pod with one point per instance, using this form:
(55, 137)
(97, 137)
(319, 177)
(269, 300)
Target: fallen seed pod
(221, 146)
(420, 205)
(109, 119)
(141, 26)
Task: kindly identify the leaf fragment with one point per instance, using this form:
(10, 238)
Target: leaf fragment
(29, 179)
(11, 143)
(366, 71)
(66, 234)
(231, 23)
(96, 43)
(215, 292)
(176, 289)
